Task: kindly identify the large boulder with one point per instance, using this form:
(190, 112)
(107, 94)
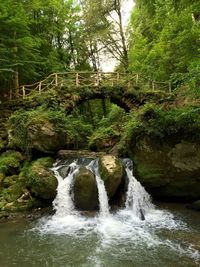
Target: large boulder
(38, 130)
(10, 162)
(169, 170)
(111, 171)
(85, 190)
(194, 206)
(40, 180)
(14, 196)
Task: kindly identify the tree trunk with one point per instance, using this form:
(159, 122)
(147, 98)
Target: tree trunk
(122, 35)
(16, 71)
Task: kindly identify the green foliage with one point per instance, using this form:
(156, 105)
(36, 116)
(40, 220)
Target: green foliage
(164, 42)
(38, 38)
(109, 129)
(21, 123)
(152, 120)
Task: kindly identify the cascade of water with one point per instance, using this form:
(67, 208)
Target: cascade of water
(103, 197)
(137, 198)
(63, 203)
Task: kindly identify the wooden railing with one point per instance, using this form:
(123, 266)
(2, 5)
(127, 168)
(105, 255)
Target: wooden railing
(90, 79)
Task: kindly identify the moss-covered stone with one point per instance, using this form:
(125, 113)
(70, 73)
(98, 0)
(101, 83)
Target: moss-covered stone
(13, 192)
(10, 162)
(10, 180)
(168, 170)
(111, 171)
(40, 130)
(14, 195)
(194, 206)
(40, 179)
(85, 190)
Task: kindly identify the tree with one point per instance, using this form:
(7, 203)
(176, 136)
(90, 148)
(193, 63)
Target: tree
(37, 38)
(105, 30)
(164, 38)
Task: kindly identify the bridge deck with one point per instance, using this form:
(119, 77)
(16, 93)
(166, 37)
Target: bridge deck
(93, 79)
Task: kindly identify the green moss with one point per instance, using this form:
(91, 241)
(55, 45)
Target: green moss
(10, 180)
(45, 130)
(10, 162)
(17, 206)
(13, 192)
(151, 174)
(40, 179)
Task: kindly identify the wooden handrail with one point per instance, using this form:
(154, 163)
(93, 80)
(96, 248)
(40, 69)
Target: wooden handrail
(90, 78)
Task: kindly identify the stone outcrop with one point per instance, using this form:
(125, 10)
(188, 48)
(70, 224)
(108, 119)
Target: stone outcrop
(40, 180)
(40, 135)
(85, 190)
(169, 170)
(111, 171)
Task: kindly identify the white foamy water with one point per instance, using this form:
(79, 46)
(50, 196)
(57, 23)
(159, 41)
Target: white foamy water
(137, 199)
(63, 203)
(103, 198)
(123, 228)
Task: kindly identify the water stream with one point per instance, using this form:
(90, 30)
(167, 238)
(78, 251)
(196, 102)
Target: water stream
(111, 239)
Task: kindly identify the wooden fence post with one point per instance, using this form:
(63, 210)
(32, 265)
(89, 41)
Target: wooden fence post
(153, 85)
(97, 79)
(56, 79)
(170, 87)
(117, 78)
(77, 79)
(23, 91)
(40, 87)
(10, 94)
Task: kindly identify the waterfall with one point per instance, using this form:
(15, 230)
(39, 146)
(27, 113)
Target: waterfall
(63, 203)
(137, 199)
(112, 230)
(103, 197)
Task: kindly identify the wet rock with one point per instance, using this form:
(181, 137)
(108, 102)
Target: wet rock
(169, 170)
(85, 190)
(111, 171)
(66, 154)
(40, 179)
(194, 206)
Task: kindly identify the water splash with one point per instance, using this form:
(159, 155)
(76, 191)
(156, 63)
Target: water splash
(63, 203)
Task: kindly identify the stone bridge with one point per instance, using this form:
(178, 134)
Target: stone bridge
(74, 88)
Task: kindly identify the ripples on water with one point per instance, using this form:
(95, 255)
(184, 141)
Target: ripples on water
(122, 237)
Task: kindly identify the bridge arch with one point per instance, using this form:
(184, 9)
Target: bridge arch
(117, 95)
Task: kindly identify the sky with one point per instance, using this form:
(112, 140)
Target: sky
(109, 63)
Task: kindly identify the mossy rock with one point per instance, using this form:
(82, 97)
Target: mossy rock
(169, 171)
(13, 192)
(194, 206)
(20, 206)
(10, 180)
(111, 171)
(2, 176)
(38, 129)
(40, 180)
(10, 162)
(85, 190)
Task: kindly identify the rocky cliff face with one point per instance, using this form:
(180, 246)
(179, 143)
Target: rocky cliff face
(169, 170)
